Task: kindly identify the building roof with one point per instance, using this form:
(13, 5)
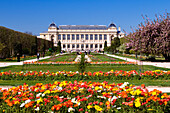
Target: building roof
(52, 25)
(81, 27)
(112, 25)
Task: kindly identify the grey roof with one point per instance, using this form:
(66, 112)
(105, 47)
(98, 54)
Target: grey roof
(52, 25)
(100, 27)
(112, 25)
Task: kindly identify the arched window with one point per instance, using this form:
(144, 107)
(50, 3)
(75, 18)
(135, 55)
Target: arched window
(82, 45)
(95, 45)
(73, 46)
(91, 46)
(100, 45)
(77, 45)
(64, 45)
(87, 46)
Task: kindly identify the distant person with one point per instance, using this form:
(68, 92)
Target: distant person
(89, 52)
(103, 52)
(18, 57)
(38, 56)
(85, 53)
(43, 54)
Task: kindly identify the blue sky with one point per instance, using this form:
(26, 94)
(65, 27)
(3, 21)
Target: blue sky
(36, 15)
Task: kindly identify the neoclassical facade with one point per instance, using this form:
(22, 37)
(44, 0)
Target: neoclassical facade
(82, 37)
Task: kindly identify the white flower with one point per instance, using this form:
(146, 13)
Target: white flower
(101, 97)
(118, 107)
(73, 100)
(70, 109)
(111, 99)
(43, 95)
(77, 72)
(37, 109)
(60, 88)
(114, 106)
(61, 97)
(19, 93)
(27, 101)
(38, 95)
(22, 105)
(68, 97)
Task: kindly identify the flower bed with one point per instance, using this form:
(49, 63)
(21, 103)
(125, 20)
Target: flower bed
(64, 62)
(83, 97)
(68, 75)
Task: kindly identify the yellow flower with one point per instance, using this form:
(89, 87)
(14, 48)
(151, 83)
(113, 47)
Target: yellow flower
(154, 93)
(47, 91)
(40, 100)
(137, 104)
(89, 107)
(98, 108)
(150, 109)
(138, 92)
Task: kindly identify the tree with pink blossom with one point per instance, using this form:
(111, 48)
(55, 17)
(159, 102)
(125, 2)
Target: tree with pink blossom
(152, 37)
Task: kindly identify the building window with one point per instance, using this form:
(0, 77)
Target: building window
(77, 37)
(77, 45)
(95, 37)
(87, 36)
(82, 45)
(64, 45)
(105, 37)
(82, 36)
(73, 37)
(68, 37)
(91, 46)
(68, 46)
(59, 37)
(95, 45)
(64, 37)
(100, 37)
(87, 46)
(91, 37)
(73, 46)
(100, 45)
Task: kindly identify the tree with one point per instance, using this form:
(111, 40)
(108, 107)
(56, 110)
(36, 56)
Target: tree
(1, 46)
(122, 48)
(59, 46)
(152, 37)
(105, 46)
(115, 44)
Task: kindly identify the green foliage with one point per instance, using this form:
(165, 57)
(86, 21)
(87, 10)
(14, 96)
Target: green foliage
(1, 46)
(82, 65)
(105, 46)
(17, 42)
(114, 45)
(59, 47)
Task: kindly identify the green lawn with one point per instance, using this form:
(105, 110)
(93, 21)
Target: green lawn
(66, 57)
(134, 82)
(91, 68)
(138, 58)
(103, 58)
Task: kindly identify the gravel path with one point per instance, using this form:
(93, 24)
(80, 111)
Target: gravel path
(157, 64)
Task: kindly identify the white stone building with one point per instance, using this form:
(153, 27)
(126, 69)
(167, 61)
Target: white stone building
(82, 37)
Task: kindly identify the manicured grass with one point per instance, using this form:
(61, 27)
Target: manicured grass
(91, 68)
(134, 82)
(138, 58)
(103, 58)
(66, 57)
